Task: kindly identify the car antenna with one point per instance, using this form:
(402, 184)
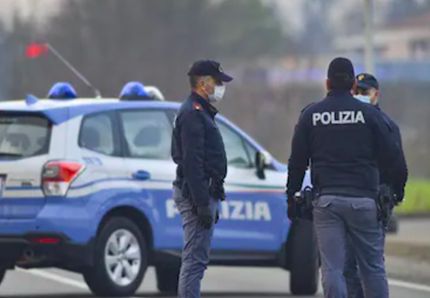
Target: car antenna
(77, 73)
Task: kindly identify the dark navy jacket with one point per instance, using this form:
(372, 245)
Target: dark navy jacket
(345, 141)
(198, 150)
(399, 185)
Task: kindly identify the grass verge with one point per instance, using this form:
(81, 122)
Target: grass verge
(417, 198)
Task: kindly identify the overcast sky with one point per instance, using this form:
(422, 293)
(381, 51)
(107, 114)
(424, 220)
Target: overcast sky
(40, 9)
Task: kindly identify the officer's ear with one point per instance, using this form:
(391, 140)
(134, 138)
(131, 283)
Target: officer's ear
(327, 84)
(354, 86)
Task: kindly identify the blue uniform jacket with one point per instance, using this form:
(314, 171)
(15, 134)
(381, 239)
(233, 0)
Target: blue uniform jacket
(345, 142)
(399, 185)
(198, 150)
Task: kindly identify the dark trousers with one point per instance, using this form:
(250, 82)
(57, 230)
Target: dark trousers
(196, 248)
(351, 271)
(337, 220)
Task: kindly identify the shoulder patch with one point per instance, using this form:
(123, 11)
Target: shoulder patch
(197, 106)
(307, 106)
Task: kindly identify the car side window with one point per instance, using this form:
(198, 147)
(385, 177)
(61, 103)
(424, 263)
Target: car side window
(237, 154)
(97, 134)
(148, 134)
(251, 152)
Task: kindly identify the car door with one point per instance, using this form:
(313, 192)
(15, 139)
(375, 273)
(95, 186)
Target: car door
(148, 134)
(253, 214)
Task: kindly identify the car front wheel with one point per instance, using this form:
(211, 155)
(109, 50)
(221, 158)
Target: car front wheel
(120, 260)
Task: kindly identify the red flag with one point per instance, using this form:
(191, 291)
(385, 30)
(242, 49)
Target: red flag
(35, 50)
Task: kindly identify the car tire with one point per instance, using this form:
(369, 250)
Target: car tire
(304, 259)
(2, 275)
(168, 278)
(393, 225)
(100, 278)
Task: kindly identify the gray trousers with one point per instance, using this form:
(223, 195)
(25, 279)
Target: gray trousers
(196, 249)
(351, 271)
(340, 219)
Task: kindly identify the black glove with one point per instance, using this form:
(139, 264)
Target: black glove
(291, 210)
(216, 216)
(205, 217)
(399, 197)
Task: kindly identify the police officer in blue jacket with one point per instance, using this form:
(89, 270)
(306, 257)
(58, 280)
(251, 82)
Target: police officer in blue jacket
(345, 142)
(198, 150)
(368, 91)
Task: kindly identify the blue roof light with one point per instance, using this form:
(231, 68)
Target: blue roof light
(62, 90)
(134, 91)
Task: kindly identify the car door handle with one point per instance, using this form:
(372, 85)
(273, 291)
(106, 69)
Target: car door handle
(141, 175)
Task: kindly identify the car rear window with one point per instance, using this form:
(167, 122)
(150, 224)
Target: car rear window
(23, 135)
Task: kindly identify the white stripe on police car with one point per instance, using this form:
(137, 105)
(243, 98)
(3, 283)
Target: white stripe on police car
(232, 210)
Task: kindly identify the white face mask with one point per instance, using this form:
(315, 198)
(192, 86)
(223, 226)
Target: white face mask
(218, 94)
(363, 98)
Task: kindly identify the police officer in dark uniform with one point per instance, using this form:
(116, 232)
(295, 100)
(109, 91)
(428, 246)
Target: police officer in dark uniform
(198, 150)
(345, 141)
(368, 91)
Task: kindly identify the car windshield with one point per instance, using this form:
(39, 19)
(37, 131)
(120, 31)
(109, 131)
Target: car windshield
(23, 135)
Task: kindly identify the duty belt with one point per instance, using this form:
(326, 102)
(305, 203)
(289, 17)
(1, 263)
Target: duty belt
(347, 191)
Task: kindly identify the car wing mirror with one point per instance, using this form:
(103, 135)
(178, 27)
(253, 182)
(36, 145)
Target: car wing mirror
(262, 160)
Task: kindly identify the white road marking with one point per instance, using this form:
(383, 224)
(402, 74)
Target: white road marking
(408, 285)
(83, 286)
(60, 279)
(55, 277)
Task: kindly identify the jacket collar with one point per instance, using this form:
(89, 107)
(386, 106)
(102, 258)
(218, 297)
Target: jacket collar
(204, 103)
(339, 93)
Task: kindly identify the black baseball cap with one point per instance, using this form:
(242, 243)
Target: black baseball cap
(211, 68)
(341, 69)
(367, 81)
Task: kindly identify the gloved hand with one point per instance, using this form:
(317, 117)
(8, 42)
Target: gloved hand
(216, 216)
(399, 196)
(205, 217)
(291, 212)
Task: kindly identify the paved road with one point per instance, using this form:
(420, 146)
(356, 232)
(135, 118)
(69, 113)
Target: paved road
(219, 282)
(414, 229)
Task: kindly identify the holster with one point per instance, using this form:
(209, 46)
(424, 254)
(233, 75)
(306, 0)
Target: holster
(303, 202)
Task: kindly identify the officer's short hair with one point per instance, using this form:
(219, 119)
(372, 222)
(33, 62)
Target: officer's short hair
(194, 80)
(341, 83)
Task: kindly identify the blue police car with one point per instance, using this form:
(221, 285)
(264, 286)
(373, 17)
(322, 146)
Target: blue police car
(86, 185)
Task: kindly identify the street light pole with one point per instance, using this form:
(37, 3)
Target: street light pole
(368, 41)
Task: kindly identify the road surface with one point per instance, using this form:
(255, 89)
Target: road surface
(219, 282)
(414, 229)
